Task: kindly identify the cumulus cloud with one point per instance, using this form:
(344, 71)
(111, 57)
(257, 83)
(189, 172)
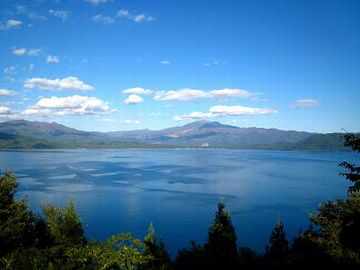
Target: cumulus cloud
(19, 51)
(193, 116)
(12, 24)
(7, 114)
(53, 59)
(26, 51)
(99, 18)
(191, 94)
(7, 92)
(68, 83)
(4, 110)
(123, 13)
(131, 122)
(70, 105)
(223, 110)
(133, 99)
(305, 103)
(59, 14)
(180, 95)
(137, 91)
(230, 93)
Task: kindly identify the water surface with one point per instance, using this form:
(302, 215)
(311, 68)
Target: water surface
(178, 190)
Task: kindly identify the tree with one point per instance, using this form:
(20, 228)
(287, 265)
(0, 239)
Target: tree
(278, 249)
(339, 221)
(64, 225)
(155, 250)
(190, 259)
(221, 246)
(353, 171)
(56, 241)
(16, 221)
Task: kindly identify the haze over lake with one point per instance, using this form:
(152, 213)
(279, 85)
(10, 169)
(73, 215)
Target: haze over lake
(178, 190)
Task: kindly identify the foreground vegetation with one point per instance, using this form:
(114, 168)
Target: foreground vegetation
(55, 240)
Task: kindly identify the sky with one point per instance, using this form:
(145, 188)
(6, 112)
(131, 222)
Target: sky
(110, 65)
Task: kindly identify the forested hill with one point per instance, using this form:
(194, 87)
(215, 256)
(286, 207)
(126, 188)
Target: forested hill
(22, 134)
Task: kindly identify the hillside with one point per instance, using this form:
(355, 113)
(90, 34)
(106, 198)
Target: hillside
(31, 134)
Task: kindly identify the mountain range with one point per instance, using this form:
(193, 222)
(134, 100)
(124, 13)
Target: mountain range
(22, 134)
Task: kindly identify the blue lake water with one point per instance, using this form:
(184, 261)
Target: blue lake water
(178, 190)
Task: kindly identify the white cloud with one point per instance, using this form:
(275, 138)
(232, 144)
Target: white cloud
(7, 114)
(13, 24)
(123, 13)
(33, 52)
(181, 95)
(10, 69)
(7, 92)
(26, 51)
(35, 16)
(305, 103)
(142, 17)
(133, 99)
(19, 51)
(99, 18)
(131, 122)
(53, 59)
(138, 91)
(213, 62)
(96, 2)
(223, 110)
(230, 93)
(4, 110)
(68, 83)
(194, 116)
(165, 62)
(60, 14)
(191, 94)
(70, 105)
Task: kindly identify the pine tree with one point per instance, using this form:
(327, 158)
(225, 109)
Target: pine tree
(221, 247)
(278, 247)
(159, 258)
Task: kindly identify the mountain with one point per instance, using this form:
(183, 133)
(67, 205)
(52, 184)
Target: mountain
(215, 134)
(32, 134)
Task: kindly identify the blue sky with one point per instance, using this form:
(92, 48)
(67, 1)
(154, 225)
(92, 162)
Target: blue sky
(132, 64)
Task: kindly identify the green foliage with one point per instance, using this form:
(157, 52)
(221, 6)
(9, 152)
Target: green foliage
(57, 241)
(190, 259)
(221, 247)
(64, 225)
(353, 171)
(278, 247)
(339, 221)
(155, 250)
(16, 221)
(120, 251)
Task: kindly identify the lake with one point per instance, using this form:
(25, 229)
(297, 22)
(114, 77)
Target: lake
(178, 190)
